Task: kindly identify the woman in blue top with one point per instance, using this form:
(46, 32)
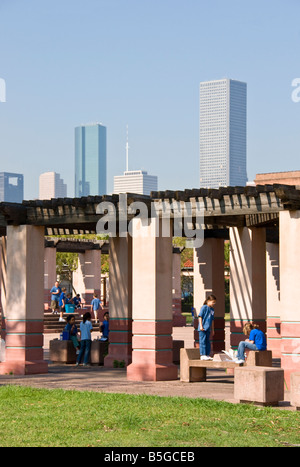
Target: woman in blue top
(206, 326)
(86, 328)
(256, 341)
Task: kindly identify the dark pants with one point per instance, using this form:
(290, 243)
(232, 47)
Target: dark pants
(85, 349)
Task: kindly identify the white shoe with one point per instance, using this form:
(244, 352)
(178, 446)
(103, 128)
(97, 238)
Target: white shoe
(61, 320)
(239, 361)
(205, 357)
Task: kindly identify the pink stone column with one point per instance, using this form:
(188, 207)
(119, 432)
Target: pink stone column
(273, 300)
(289, 245)
(3, 261)
(247, 280)
(24, 301)
(209, 279)
(120, 300)
(152, 354)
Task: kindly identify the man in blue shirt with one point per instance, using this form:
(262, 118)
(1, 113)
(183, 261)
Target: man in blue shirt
(55, 294)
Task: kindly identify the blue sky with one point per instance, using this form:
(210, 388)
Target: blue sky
(139, 63)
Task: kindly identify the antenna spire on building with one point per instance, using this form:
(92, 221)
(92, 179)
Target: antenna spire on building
(127, 148)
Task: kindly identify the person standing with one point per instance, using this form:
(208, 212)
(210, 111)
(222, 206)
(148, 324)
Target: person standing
(62, 304)
(86, 328)
(55, 294)
(206, 326)
(96, 306)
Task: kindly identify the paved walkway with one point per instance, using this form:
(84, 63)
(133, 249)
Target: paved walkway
(219, 385)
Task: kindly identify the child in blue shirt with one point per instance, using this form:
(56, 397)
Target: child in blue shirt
(96, 306)
(206, 327)
(256, 341)
(104, 327)
(72, 330)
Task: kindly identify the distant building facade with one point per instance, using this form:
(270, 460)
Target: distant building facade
(11, 187)
(135, 181)
(90, 160)
(223, 133)
(285, 178)
(51, 186)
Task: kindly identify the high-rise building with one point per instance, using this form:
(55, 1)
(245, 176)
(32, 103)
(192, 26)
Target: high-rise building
(223, 133)
(135, 181)
(51, 186)
(11, 187)
(90, 160)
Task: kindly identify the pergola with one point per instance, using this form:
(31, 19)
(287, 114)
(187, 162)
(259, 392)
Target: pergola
(262, 224)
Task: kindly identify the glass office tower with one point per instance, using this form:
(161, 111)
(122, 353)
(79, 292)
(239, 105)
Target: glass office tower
(90, 160)
(11, 187)
(223, 133)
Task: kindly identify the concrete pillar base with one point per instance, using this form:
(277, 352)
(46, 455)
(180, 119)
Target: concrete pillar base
(154, 372)
(24, 368)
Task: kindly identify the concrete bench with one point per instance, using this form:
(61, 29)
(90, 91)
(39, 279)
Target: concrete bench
(64, 351)
(193, 369)
(177, 345)
(258, 384)
(295, 390)
(98, 351)
(259, 358)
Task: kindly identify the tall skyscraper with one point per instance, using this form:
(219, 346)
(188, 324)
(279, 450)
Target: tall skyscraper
(51, 186)
(90, 160)
(11, 187)
(135, 181)
(223, 133)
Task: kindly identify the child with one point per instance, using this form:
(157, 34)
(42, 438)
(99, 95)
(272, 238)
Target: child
(86, 329)
(104, 327)
(62, 302)
(256, 341)
(206, 326)
(96, 306)
(72, 330)
(77, 301)
(69, 299)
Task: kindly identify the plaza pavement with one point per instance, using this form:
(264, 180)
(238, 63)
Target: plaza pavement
(219, 385)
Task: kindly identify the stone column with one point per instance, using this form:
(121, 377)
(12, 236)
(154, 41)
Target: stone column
(152, 355)
(3, 261)
(247, 280)
(120, 301)
(24, 301)
(87, 277)
(209, 279)
(273, 300)
(49, 275)
(178, 319)
(289, 228)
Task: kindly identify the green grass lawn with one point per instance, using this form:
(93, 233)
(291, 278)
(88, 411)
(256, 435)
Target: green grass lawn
(40, 417)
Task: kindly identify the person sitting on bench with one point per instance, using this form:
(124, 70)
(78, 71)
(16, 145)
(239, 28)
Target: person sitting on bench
(256, 341)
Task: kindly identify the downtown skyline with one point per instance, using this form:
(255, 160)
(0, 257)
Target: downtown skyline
(58, 78)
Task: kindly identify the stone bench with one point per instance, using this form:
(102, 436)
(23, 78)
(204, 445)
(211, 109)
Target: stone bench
(259, 385)
(193, 369)
(177, 345)
(64, 351)
(259, 358)
(295, 390)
